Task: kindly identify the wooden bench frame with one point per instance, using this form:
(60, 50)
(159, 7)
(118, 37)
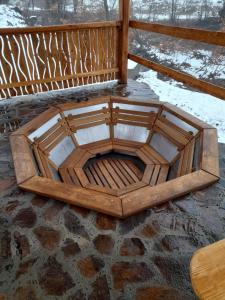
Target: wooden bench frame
(145, 194)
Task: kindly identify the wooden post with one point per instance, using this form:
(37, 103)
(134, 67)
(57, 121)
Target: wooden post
(124, 17)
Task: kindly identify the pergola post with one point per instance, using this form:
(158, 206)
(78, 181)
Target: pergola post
(124, 17)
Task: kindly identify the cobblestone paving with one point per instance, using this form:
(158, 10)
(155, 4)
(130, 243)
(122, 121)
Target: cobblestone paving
(50, 250)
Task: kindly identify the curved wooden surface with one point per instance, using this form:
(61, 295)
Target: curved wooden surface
(208, 272)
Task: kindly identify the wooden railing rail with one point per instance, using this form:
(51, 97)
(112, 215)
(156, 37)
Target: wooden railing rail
(205, 36)
(39, 59)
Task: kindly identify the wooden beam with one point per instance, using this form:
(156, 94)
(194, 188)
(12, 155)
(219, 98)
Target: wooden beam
(187, 79)
(124, 40)
(55, 28)
(22, 157)
(74, 195)
(150, 196)
(210, 152)
(200, 35)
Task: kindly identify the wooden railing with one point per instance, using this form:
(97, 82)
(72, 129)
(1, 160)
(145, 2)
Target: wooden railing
(40, 59)
(204, 36)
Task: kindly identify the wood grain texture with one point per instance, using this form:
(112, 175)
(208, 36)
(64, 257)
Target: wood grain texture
(22, 157)
(151, 196)
(200, 35)
(74, 195)
(210, 152)
(185, 78)
(124, 40)
(207, 271)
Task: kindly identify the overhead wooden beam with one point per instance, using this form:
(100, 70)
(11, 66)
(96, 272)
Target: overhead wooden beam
(185, 78)
(124, 40)
(204, 36)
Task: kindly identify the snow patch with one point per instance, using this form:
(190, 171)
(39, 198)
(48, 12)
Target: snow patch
(205, 107)
(10, 18)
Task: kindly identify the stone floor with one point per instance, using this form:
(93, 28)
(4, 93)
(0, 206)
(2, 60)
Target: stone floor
(50, 250)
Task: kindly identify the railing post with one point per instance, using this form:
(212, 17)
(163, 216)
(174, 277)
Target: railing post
(124, 17)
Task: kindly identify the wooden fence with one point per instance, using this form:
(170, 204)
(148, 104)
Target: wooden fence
(204, 36)
(39, 59)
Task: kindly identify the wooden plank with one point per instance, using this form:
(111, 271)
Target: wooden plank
(210, 152)
(22, 158)
(207, 270)
(185, 78)
(65, 176)
(74, 158)
(200, 35)
(124, 11)
(145, 157)
(63, 28)
(130, 188)
(104, 203)
(155, 175)
(102, 189)
(151, 196)
(113, 173)
(81, 176)
(106, 174)
(93, 101)
(124, 172)
(118, 171)
(97, 176)
(163, 173)
(134, 169)
(128, 170)
(146, 103)
(148, 173)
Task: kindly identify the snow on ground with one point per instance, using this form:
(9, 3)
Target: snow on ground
(200, 63)
(10, 18)
(205, 107)
(131, 64)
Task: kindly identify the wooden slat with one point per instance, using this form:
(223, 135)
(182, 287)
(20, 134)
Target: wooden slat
(172, 132)
(155, 175)
(97, 176)
(130, 188)
(210, 152)
(148, 103)
(106, 174)
(185, 78)
(144, 157)
(74, 158)
(55, 28)
(150, 196)
(128, 170)
(163, 174)
(148, 173)
(23, 162)
(134, 169)
(104, 203)
(65, 176)
(207, 270)
(200, 35)
(118, 171)
(102, 189)
(81, 176)
(113, 173)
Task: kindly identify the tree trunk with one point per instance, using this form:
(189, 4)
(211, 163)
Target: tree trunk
(106, 7)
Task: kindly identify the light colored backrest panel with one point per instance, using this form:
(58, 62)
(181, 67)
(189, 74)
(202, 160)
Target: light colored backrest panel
(163, 146)
(59, 154)
(129, 132)
(92, 134)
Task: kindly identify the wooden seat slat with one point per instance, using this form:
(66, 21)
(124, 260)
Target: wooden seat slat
(107, 175)
(148, 173)
(118, 171)
(114, 175)
(95, 172)
(163, 174)
(155, 175)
